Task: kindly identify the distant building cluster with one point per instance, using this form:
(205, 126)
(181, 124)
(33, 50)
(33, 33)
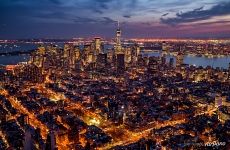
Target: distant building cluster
(87, 97)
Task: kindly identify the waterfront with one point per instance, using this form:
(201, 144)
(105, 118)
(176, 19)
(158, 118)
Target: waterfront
(13, 60)
(140, 98)
(221, 62)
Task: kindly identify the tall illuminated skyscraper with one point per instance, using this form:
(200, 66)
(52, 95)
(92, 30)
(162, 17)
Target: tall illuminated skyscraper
(77, 53)
(69, 55)
(66, 50)
(97, 45)
(41, 50)
(128, 55)
(37, 58)
(118, 48)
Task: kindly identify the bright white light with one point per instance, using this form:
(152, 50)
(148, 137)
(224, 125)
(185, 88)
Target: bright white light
(94, 122)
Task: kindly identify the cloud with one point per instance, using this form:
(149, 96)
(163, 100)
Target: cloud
(107, 20)
(222, 22)
(103, 20)
(198, 9)
(84, 20)
(127, 16)
(54, 17)
(98, 11)
(198, 14)
(165, 14)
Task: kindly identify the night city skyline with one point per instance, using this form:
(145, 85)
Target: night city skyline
(114, 74)
(139, 18)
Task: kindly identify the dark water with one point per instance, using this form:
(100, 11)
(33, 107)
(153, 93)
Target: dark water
(221, 62)
(17, 47)
(13, 60)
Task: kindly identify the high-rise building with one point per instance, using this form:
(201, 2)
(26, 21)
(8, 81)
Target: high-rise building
(110, 56)
(79, 66)
(72, 58)
(140, 60)
(171, 62)
(66, 51)
(163, 60)
(41, 50)
(218, 101)
(69, 56)
(23, 120)
(101, 61)
(28, 142)
(77, 53)
(138, 49)
(120, 62)
(179, 59)
(88, 54)
(37, 58)
(118, 47)
(112, 109)
(128, 55)
(29, 72)
(164, 46)
(51, 141)
(74, 135)
(153, 64)
(98, 45)
(90, 57)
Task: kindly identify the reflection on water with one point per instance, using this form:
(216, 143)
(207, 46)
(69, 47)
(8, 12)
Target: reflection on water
(13, 60)
(17, 47)
(221, 62)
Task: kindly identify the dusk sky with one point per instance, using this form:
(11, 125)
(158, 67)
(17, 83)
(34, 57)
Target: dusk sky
(139, 18)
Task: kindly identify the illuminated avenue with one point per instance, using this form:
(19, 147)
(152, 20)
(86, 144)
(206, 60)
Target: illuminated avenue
(84, 97)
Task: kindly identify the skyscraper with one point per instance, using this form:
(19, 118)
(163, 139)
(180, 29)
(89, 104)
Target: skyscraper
(50, 141)
(101, 61)
(171, 62)
(153, 64)
(28, 144)
(98, 45)
(69, 56)
(120, 62)
(179, 59)
(37, 58)
(118, 47)
(128, 55)
(164, 46)
(77, 53)
(163, 59)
